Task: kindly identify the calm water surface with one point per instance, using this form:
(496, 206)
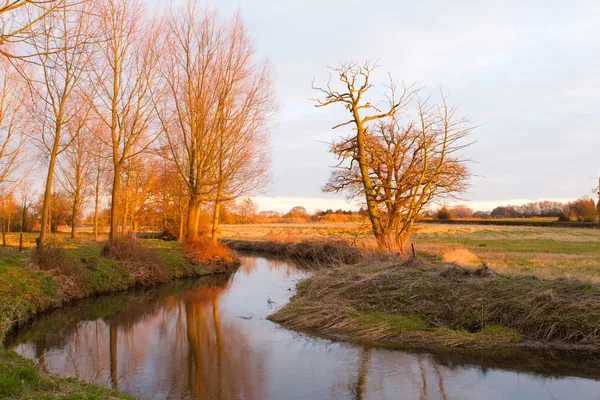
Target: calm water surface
(209, 339)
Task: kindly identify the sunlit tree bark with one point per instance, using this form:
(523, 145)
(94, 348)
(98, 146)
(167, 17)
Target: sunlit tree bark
(20, 20)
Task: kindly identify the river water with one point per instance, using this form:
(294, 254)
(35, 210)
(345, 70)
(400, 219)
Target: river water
(209, 339)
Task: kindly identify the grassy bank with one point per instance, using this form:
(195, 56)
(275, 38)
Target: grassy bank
(414, 304)
(21, 378)
(67, 270)
(304, 252)
(548, 253)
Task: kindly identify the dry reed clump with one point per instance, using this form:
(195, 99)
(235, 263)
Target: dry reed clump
(145, 266)
(324, 252)
(214, 256)
(416, 304)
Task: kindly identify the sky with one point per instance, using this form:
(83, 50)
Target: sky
(526, 73)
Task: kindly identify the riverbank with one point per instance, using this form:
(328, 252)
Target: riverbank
(22, 378)
(414, 304)
(303, 252)
(32, 282)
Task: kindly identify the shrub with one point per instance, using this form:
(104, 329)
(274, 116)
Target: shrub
(54, 257)
(215, 256)
(444, 214)
(144, 265)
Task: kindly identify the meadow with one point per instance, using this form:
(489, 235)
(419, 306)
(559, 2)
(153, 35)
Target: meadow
(546, 252)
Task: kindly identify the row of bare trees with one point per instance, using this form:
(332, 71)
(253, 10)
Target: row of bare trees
(106, 92)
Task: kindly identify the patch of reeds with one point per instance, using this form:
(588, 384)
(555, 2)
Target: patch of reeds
(411, 303)
(320, 252)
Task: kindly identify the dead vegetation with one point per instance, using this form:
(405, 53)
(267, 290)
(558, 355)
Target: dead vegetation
(144, 265)
(318, 252)
(215, 257)
(415, 304)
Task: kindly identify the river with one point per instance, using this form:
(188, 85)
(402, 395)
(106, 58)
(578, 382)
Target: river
(210, 339)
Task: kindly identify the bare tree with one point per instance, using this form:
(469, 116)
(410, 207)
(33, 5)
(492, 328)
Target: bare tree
(245, 104)
(187, 109)
(62, 54)
(398, 164)
(19, 20)
(100, 171)
(126, 72)
(76, 163)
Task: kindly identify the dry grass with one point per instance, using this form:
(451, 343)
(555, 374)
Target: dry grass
(461, 256)
(216, 257)
(312, 253)
(413, 303)
(144, 265)
(545, 252)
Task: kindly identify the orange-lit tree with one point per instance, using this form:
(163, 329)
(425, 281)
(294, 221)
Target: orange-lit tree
(397, 163)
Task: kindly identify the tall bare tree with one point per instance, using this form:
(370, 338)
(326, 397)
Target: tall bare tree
(77, 162)
(100, 170)
(397, 163)
(126, 71)
(187, 109)
(62, 54)
(245, 104)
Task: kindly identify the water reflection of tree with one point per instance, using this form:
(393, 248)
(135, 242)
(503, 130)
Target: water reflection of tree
(221, 363)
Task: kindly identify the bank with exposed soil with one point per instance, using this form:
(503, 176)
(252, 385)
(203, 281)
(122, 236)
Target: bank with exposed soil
(413, 304)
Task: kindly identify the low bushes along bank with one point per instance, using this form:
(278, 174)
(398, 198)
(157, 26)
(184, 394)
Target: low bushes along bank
(417, 305)
(59, 274)
(318, 253)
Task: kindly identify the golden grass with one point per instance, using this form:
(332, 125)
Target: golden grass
(545, 252)
(414, 303)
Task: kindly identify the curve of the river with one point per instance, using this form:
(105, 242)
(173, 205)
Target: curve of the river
(209, 339)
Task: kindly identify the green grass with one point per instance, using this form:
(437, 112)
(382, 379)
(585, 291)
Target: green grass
(22, 379)
(25, 292)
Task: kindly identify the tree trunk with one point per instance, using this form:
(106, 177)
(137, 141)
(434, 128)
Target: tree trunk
(372, 209)
(180, 225)
(74, 213)
(48, 194)
(115, 203)
(96, 216)
(192, 224)
(216, 216)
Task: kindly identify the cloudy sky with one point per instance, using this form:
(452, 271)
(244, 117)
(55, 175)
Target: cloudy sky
(526, 72)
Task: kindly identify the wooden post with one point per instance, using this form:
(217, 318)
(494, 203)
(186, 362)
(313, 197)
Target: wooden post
(412, 245)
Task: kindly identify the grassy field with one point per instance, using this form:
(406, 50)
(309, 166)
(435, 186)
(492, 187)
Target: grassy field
(545, 252)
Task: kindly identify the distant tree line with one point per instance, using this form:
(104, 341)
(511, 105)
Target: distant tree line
(582, 210)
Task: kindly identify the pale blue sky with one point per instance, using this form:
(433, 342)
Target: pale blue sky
(527, 72)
